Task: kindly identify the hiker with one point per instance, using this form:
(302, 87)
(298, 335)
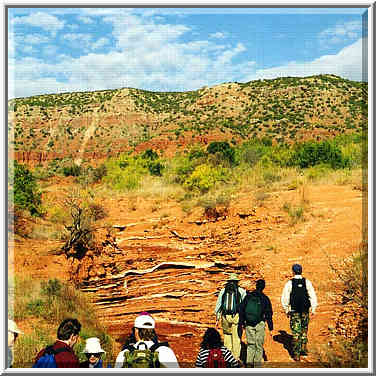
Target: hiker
(131, 338)
(255, 310)
(13, 333)
(227, 309)
(298, 297)
(93, 352)
(213, 354)
(61, 354)
(146, 352)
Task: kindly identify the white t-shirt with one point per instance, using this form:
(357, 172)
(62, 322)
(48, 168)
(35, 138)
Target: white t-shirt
(166, 356)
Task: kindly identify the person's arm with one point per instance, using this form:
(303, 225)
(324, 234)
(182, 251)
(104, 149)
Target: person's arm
(231, 362)
(285, 298)
(119, 360)
(167, 357)
(217, 310)
(312, 296)
(268, 313)
(201, 358)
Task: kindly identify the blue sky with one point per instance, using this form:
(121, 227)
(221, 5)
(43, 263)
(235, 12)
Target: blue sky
(78, 49)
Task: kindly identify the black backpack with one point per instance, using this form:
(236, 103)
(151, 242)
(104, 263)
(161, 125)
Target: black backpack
(230, 299)
(253, 311)
(299, 298)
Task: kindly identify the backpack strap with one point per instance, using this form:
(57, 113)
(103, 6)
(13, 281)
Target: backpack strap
(50, 350)
(158, 344)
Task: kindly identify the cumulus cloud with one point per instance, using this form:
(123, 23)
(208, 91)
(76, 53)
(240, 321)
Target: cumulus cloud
(85, 19)
(101, 42)
(218, 35)
(347, 64)
(340, 33)
(45, 21)
(150, 55)
(35, 39)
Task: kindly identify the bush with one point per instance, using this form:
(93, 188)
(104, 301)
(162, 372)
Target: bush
(204, 177)
(125, 173)
(223, 150)
(311, 153)
(24, 190)
(73, 170)
(48, 303)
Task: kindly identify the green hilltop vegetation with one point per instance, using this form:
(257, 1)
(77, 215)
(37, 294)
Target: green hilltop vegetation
(285, 110)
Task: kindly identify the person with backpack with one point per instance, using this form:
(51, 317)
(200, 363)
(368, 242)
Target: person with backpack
(93, 352)
(13, 333)
(298, 297)
(61, 354)
(146, 352)
(213, 354)
(255, 310)
(227, 310)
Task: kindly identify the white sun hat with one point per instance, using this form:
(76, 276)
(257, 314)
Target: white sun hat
(93, 346)
(12, 327)
(144, 321)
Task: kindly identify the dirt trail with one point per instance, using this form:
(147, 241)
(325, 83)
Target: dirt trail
(173, 265)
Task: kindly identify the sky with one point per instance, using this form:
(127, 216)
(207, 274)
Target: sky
(56, 50)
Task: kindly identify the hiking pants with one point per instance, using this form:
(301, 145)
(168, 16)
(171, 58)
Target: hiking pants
(299, 327)
(255, 344)
(230, 334)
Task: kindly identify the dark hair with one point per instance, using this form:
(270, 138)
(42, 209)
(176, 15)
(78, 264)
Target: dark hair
(260, 285)
(212, 339)
(67, 328)
(131, 339)
(147, 334)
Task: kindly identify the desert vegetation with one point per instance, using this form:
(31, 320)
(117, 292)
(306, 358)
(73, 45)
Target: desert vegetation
(201, 152)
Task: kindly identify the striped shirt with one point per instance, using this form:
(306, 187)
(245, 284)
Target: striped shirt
(203, 355)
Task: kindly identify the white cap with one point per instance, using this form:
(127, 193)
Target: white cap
(144, 322)
(93, 346)
(12, 327)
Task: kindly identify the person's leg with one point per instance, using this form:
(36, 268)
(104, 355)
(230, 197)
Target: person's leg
(250, 333)
(259, 343)
(304, 324)
(236, 347)
(295, 325)
(227, 334)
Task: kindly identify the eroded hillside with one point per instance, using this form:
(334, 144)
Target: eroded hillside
(97, 124)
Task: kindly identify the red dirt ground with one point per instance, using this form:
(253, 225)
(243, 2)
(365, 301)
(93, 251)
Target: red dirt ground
(261, 243)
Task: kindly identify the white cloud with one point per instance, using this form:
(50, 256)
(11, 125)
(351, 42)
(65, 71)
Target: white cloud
(42, 20)
(85, 20)
(218, 35)
(100, 43)
(347, 64)
(340, 33)
(28, 49)
(78, 40)
(35, 39)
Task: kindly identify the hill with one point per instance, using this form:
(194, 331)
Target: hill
(96, 124)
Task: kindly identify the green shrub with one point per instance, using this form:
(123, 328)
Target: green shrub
(311, 153)
(52, 303)
(125, 173)
(73, 170)
(24, 190)
(223, 150)
(204, 177)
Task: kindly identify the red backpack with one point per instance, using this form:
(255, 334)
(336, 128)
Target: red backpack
(215, 359)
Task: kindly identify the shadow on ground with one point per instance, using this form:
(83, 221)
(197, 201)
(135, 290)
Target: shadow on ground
(286, 340)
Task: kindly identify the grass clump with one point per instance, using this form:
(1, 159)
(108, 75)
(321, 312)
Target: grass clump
(348, 339)
(44, 305)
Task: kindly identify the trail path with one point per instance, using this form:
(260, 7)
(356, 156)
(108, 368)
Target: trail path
(173, 265)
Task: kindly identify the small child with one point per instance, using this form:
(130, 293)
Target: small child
(93, 352)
